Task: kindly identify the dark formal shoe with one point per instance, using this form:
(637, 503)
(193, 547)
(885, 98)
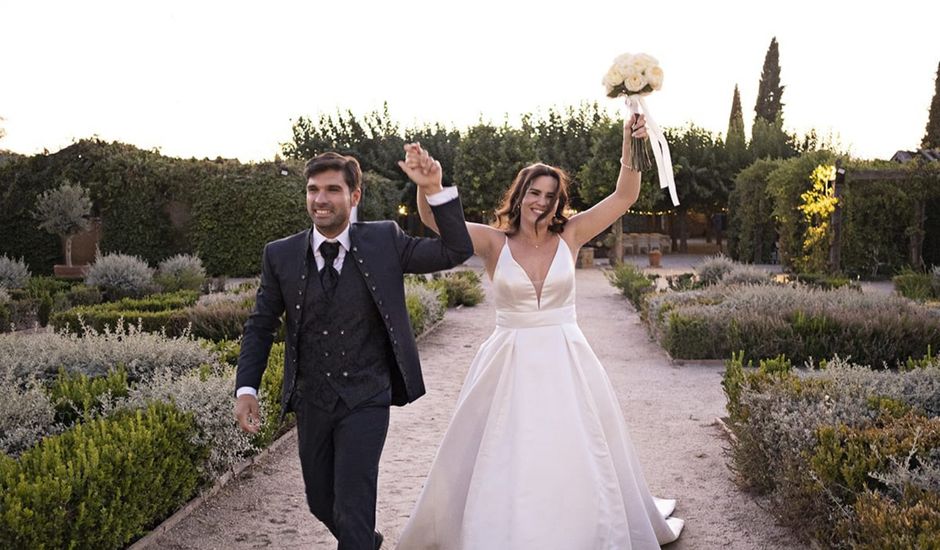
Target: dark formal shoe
(378, 540)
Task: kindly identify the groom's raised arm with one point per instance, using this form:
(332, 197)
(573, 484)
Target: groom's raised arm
(423, 255)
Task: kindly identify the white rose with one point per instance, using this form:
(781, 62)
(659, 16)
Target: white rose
(613, 78)
(623, 59)
(644, 61)
(655, 77)
(635, 82)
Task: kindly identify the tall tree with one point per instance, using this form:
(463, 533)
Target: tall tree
(696, 157)
(769, 94)
(932, 135)
(735, 142)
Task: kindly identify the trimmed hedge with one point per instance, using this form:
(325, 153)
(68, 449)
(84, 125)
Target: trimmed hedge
(768, 320)
(153, 313)
(154, 206)
(849, 456)
(100, 484)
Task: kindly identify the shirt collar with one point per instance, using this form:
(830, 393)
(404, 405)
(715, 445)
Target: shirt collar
(342, 239)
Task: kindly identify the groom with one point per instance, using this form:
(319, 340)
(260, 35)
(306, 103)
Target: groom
(349, 350)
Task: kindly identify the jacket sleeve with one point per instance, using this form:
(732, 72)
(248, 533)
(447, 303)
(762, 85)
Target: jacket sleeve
(425, 255)
(261, 327)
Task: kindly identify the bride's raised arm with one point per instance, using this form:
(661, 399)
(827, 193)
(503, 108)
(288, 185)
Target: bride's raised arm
(588, 224)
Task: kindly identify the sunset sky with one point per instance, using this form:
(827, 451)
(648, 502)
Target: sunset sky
(209, 79)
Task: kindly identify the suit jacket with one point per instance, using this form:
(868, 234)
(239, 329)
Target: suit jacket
(382, 253)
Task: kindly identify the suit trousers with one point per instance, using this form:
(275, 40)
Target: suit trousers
(339, 458)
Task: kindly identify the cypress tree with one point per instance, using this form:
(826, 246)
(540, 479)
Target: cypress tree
(770, 92)
(932, 135)
(735, 133)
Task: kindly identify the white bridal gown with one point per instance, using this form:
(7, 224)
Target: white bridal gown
(537, 455)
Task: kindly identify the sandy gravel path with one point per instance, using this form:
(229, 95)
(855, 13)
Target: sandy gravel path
(670, 409)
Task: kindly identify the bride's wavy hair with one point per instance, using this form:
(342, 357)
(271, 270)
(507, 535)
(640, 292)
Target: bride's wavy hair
(510, 210)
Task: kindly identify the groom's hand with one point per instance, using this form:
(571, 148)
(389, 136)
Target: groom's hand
(248, 413)
(421, 168)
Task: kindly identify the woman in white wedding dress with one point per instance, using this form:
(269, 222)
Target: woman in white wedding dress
(537, 455)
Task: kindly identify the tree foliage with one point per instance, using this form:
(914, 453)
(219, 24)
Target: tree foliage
(769, 104)
(735, 142)
(487, 160)
(64, 211)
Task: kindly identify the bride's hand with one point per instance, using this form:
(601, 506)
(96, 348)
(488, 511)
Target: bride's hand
(421, 168)
(635, 128)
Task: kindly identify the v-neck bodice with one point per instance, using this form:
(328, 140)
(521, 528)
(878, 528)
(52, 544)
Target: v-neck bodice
(515, 291)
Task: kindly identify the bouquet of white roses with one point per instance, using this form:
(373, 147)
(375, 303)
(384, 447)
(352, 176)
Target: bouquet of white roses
(634, 76)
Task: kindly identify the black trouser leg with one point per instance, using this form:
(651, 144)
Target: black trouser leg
(358, 439)
(315, 443)
(339, 456)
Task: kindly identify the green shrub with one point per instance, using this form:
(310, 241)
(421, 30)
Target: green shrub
(713, 268)
(823, 281)
(803, 324)
(13, 273)
(98, 353)
(460, 288)
(222, 320)
(206, 393)
(172, 322)
(269, 396)
(155, 313)
(682, 282)
(99, 484)
(632, 283)
(26, 412)
(77, 396)
(39, 285)
(425, 305)
(181, 272)
(84, 295)
(880, 522)
(914, 285)
(225, 351)
(120, 275)
(45, 309)
(823, 443)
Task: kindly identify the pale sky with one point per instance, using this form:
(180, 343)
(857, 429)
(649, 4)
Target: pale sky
(206, 79)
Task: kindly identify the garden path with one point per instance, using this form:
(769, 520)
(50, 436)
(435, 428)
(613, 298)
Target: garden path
(671, 411)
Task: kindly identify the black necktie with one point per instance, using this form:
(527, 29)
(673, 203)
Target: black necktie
(328, 275)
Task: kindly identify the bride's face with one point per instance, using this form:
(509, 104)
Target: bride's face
(539, 199)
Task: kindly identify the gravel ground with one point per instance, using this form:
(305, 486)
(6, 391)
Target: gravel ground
(671, 411)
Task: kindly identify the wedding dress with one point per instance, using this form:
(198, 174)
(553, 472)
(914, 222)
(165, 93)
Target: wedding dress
(537, 455)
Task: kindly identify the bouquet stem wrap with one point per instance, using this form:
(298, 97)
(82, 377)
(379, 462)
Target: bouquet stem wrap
(660, 147)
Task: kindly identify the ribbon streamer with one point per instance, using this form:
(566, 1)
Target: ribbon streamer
(660, 147)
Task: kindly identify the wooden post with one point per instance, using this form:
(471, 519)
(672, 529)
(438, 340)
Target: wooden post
(835, 245)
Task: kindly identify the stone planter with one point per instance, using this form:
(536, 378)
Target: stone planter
(585, 257)
(655, 256)
(70, 271)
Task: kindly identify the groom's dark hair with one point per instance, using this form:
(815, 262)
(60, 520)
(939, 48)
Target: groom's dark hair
(352, 173)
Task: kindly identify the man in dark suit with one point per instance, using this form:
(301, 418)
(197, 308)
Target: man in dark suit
(350, 352)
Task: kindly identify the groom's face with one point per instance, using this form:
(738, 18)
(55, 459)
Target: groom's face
(329, 202)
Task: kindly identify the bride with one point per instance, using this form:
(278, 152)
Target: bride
(537, 455)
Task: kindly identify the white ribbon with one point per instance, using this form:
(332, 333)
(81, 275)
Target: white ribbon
(660, 148)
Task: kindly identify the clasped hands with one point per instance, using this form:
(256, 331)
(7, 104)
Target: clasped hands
(422, 169)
